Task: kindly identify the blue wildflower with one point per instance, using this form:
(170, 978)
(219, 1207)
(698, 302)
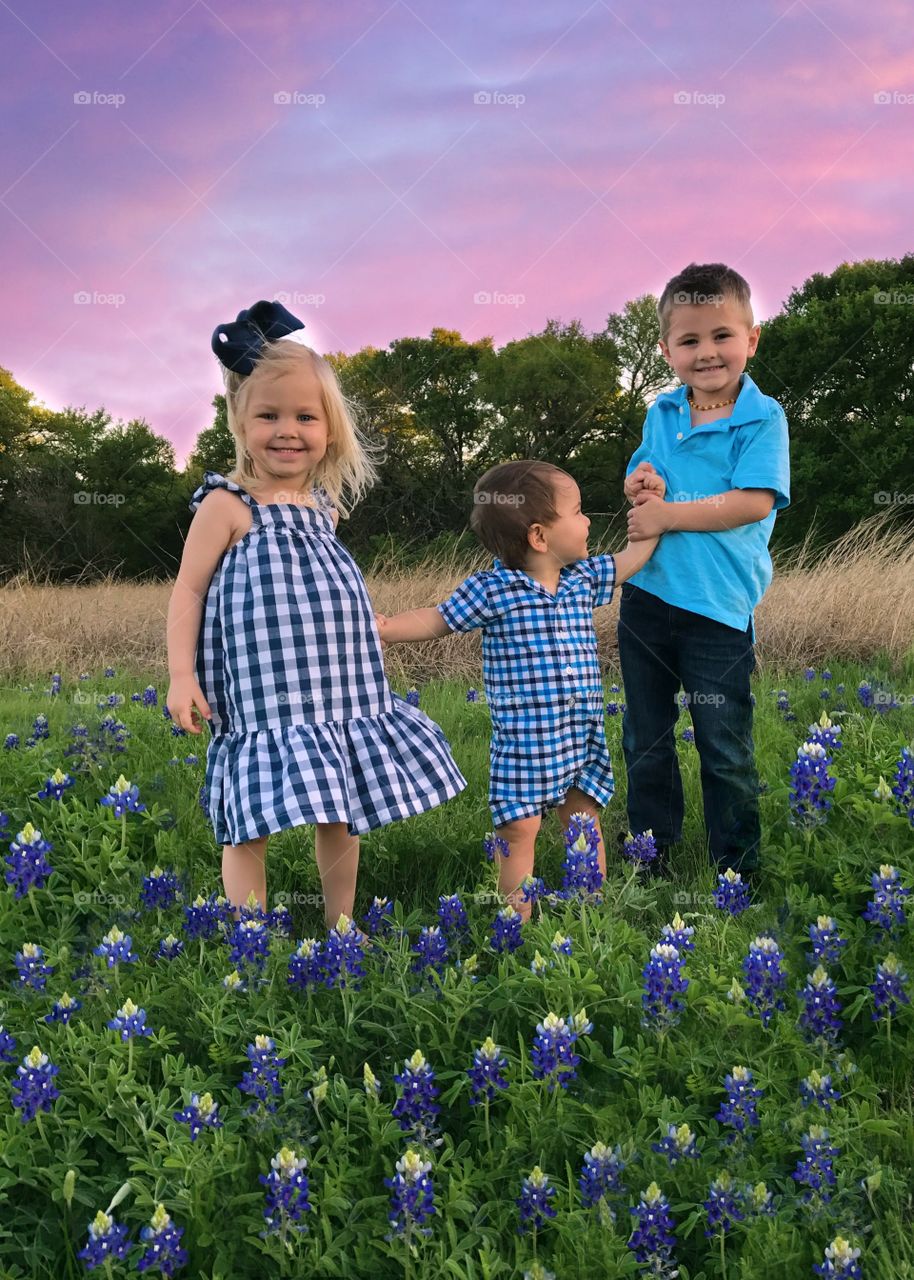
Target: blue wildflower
(888, 990)
(553, 1057)
(652, 1240)
(115, 948)
(641, 850)
(819, 1016)
(63, 1009)
(581, 871)
(765, 980)
(809, 674)
(532, 888)
(506, 930)
(200, 1113)
(108, 1242)
(664, 986)
(827, 945)
(412, 697)
(203, 917)
(11, 742)
(679, 1144)
(810, 785)
(344, 955)
(287, 1192)
(688, 735)
(534, 1200)
(416, 1109)
(903, 789)
(279, 920)
(493, 844)
(379, 916)
(412, 1196)
(27, 861)
(56, 785)
(840, 1262)
(170, 948)
(7, 1046)
(262, 1081)
(601, 1175)
(33, 1087)
(163, 1244)
(431, 951)
(452, 916)
(472, 695)
(817, 1090)
(306, 968)
(740, 1111)
(731, 893)
(678, 935)
(486, 1072)
(33, 972)
(159, 889)
(123, 797)
(814, 1171)
(130, 1021)
(724, 1206)
(886, 910)
(249, 943)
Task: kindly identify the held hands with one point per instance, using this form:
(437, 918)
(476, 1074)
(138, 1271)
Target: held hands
(648, 518)
(185, 699)
(644, 480)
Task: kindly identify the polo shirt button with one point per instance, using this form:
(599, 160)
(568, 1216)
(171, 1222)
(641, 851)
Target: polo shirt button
(569, 671)
(678, 435)
(569, 702)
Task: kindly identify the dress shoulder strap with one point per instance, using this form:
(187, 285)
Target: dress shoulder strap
(213, 480)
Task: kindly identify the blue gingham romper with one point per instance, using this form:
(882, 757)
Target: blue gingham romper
(542, 681)
(305, 727)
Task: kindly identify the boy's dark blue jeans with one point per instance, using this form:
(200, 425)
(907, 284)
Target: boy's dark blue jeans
(663, 648)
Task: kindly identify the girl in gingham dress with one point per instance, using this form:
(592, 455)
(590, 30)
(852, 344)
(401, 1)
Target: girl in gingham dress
(271, 635)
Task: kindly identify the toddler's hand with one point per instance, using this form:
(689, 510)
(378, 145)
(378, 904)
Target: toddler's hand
(647, 519)
(643, 478)
(184, 699)
(381, 621)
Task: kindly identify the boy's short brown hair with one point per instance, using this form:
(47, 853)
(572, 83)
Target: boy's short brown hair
(507, 500)
(699, 284)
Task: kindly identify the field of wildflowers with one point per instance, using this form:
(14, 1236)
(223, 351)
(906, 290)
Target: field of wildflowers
(654, 1076)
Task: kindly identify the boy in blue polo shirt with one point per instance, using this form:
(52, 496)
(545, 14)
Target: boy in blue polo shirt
(686, 619)
(539, 653)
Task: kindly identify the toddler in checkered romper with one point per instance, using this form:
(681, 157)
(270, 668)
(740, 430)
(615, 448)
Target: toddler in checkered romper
(271, 635)
(539, 652)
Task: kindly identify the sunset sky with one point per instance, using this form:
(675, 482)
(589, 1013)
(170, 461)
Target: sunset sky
(556, 159)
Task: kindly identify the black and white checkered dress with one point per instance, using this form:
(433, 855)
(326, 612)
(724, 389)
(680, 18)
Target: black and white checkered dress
(305, 727)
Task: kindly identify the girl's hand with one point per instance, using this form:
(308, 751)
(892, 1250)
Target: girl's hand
(184, 698)
(381, 621)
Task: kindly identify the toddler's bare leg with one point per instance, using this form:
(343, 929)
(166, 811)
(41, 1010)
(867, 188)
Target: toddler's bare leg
(521, 837)
(244, 867)
(579, 802)
(337, 854)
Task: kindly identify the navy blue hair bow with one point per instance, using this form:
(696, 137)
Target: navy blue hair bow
(238, 345)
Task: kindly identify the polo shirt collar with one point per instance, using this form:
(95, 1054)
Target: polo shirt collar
(750, 404)
(522, 578)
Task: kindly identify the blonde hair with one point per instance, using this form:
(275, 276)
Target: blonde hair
(348, 467)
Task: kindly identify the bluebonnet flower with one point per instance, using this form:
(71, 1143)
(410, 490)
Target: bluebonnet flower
(370, 1082)
(678, 935)
(641, 850)
(825, 675)
(55, 684)
(688, 735)
(731, 894)
(40, 730)
(306, 969)
(56, 785)
(412, 1196)
(740, 1111)
(262, 1081)
(280, 920)
(664, 986)
(888, 989)
(233, 982)
(539, 964)
(33, 1087)
(344, 955)
(11, 741)
(679, 1144)
(765, 980)
(252, 910)
(115, 948)
(430, 950)
(825, 694)
(486, 1072)
(452, 915)
(903, 790)
(27, 861)
(416, 1109)
(612, 707)
(819, 1016)
(170, 948)
(7, 1046)
(506, 930)
(724, 1206)
(162, 1239)
(534, 1200)
(817, 1090)
(581, 871)
(886, 910)
(192, 759)
(202, 917)
(123, 797)
(200, 1113)
(203, 800)
(379, 916)
(159, 889)
(814, 1171)
(472, 695)
(64, 1008)
(826, 943)
(810, 785)
(150, 696)
(109, 672)
(249, 943)
(760, 1201)
(840, 1262)
(809, 674)
(493, 844)
(287, 1192)
(601, 1174)
(532, 888)
(652, 1240)
(783, 705)
(561, 944)
(553, 1057)
(130, 1021)
(825, 734)
(412, 697)
(108, 1241)
(33, 972)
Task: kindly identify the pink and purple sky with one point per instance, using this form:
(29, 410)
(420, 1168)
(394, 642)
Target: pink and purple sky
(382, 165)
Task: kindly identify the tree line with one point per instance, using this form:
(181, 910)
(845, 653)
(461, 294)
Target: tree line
(82, 495)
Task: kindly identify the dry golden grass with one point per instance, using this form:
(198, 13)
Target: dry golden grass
(851, 603)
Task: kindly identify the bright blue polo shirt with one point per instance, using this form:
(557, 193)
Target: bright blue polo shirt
(719, 575)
